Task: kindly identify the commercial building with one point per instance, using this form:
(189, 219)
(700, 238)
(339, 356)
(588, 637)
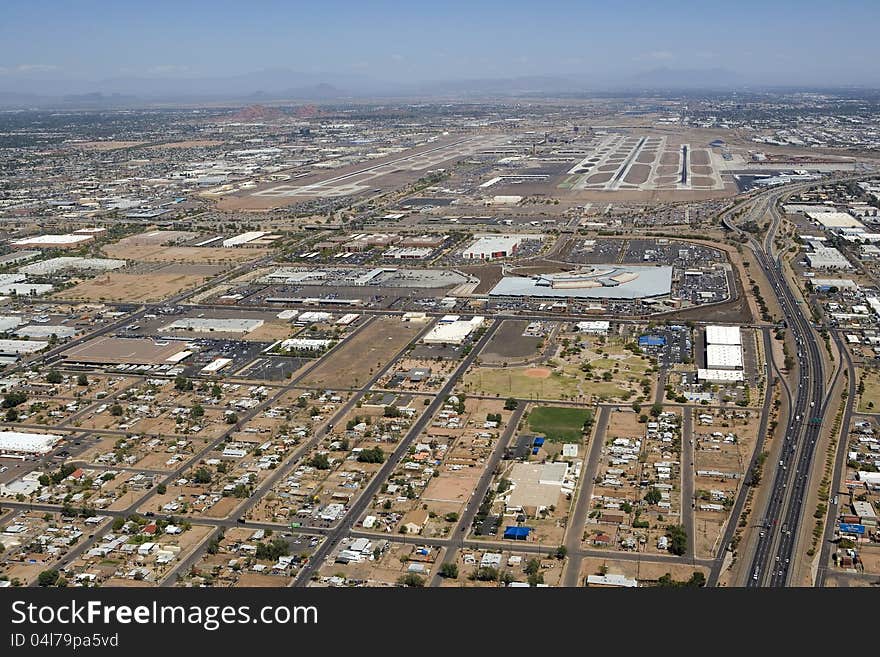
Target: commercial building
(598, 327)
(213, 325)
(827, 257)
(724, 357)
(490, 247)
(244, 238)
(723, 335)
(720, 376)
(834, 220)
(424, 241)
(55, 265)
(215, 365)
(596, 282)
(535, 486)
(125, 351)
(453, 332)
(67, 241)
(367, 241)
(16, 442)
(407, 253)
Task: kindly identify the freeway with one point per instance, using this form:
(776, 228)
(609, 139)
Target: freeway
(777, 540)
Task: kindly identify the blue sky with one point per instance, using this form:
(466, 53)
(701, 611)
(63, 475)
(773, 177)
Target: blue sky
(801, 41)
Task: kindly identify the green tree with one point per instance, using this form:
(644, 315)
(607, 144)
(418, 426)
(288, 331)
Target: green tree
(320, 462)
(197, 410)
(449, 571)
(82, 380)
(510, 404)
(202, 476)
(48, 577)
(678, 539)
(54, 377)
(413, 580)
(653, 496)
(116, 410)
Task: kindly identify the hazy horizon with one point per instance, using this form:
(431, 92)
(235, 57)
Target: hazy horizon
(100, 46)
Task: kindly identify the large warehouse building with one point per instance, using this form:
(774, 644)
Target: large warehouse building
(18, 443)
(723, 353)
(452, 332)
(490, 247)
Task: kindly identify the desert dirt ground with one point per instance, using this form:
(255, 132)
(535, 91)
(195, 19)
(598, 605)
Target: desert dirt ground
(367, 351)
(157, 253)
(131, 287)
(111, 145)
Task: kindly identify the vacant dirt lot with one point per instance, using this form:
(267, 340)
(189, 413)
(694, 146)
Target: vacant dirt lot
(365, 352)
(131, 287)
(509, 344)
(159, 253)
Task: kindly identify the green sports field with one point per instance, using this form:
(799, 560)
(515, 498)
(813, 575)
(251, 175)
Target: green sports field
(558, 424)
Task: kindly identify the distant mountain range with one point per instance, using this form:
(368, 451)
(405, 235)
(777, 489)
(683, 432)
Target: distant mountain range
(284, 84)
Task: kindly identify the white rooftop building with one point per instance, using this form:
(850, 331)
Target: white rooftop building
(724, 357)
(212, 324)
(242, 239)
(723, 335)
(720, 376)
(489, 247)
(598, 327)
(16, 442)
(452, 332)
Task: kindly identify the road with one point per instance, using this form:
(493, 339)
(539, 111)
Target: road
(360, 505)
(461, 529)
(771, 561)
(687, 479)
(574, 533)
(839, 461)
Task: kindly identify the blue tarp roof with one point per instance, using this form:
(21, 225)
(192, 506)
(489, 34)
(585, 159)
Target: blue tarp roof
(517, 533)
(539, 440)
(652, 340)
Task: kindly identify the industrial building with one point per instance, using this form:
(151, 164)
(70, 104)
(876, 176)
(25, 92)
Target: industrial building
(10, 350)
(55, 265)
(244, 238)
(126, 351)
(303, 344)
(597, 327)
(723, 335)
(67, 241)
(490, 247)
(452, 332)
(720, 376)
(826, 257)
(835, 220)
(724, 357)
(18, 285)
(16, 442)
(213, 324)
